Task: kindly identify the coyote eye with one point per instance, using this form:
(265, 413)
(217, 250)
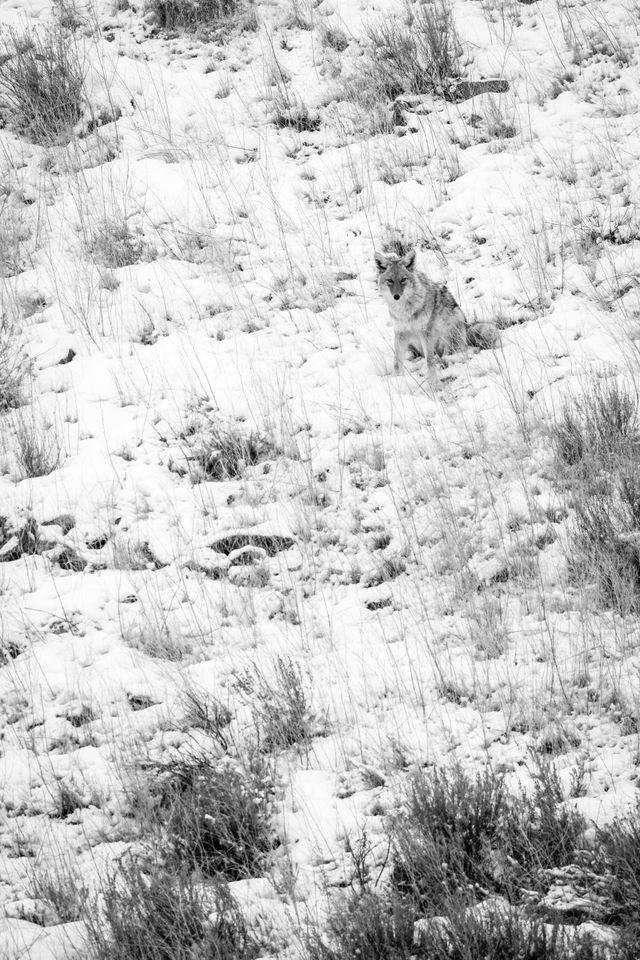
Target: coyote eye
(403, 280)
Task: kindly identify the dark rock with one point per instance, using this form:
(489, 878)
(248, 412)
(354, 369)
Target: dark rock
(15, 544)
(65, 521)
(139, 701)
(377, 603)
(98, 542)
(68, 559)
(270, 543)
(466, 89)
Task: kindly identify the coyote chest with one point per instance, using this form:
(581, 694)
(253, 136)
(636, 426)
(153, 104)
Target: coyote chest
(416, 308)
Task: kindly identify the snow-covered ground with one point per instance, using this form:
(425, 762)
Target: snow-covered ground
(425, 593)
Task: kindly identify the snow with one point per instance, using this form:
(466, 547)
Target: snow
(254, 300)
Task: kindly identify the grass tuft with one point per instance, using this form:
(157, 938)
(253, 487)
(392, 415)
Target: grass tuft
(222, 450)
(41, 85)
(113, 245)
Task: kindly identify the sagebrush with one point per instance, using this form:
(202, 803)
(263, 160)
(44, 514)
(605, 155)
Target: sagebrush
(41, 84)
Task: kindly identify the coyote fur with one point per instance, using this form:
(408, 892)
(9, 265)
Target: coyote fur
(425, 316)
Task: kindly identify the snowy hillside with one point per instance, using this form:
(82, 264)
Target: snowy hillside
(225, 525)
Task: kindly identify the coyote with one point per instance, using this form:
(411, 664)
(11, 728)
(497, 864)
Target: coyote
(425, 316)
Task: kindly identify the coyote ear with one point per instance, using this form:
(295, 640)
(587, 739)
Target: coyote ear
(409, 259)
(381, 261)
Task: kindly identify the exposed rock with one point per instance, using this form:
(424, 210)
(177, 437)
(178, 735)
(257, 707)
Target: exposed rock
(67, 559)
(247, 555)
(138, 701)
(213, 565)
(16, 543)
(10, 550)
(465, 89)
(378, 602)
(458, 91)
(97, 543)
(271, 543)
(65, 521)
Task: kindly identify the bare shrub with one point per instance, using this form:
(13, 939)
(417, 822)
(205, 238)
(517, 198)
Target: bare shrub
(382, 926)
(369, 926)
(441, 839)
(281, 705)
(460, 838)
(593, 431)
(149, 911)
(13, 368)
(418, 53)
(38, 448)
(214, 815)
(596, 439)
(619, 860)
(15, 232)
(41, 84)
(502, 934)
(205, 712)
(198, 15)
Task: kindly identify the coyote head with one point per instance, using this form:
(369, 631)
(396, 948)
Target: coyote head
(394, 272)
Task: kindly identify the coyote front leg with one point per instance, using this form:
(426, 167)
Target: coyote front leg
(400, 348)
(428, 347)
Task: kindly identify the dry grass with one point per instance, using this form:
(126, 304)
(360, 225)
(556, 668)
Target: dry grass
(41, 84)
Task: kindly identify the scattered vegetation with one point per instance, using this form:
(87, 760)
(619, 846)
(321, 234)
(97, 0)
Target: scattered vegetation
(41, 84)
(596, 439)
